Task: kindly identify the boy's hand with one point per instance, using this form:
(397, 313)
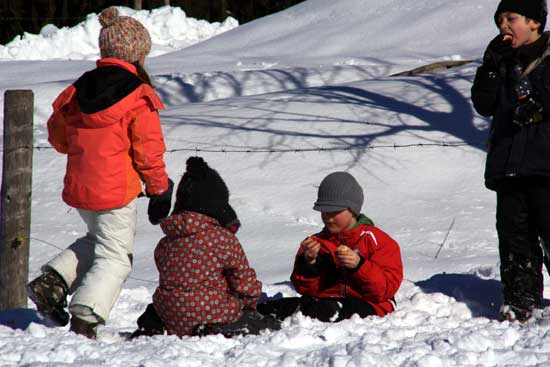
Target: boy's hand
(310, 248)
(348, 259)
(499, 50)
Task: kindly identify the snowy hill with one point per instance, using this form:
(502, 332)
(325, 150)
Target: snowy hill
(278, 104)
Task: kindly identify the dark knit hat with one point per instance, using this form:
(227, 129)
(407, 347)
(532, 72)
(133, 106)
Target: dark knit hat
(339, 191)
(202, 190)
(533, 9)
(122, 37)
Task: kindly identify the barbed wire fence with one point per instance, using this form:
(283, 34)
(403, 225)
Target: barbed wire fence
(148, 281)
(62, 249)
(449, 144)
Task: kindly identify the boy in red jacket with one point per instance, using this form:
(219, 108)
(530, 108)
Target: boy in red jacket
(350, 267)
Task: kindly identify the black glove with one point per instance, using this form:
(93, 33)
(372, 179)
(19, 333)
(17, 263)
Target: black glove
(159, 205)
(499, 51)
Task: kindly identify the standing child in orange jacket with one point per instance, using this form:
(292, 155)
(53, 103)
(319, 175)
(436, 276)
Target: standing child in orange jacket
(107, 123)
(350, 267)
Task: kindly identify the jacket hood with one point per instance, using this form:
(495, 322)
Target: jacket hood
(185, 224)
(99, 92)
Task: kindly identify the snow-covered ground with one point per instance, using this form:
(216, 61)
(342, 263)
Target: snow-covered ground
(275, 105)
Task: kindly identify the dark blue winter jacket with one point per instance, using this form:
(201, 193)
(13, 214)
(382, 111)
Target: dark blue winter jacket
(513, 150)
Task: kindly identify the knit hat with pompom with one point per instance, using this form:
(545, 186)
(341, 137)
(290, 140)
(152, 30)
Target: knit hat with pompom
(202, 190)
(122, 37)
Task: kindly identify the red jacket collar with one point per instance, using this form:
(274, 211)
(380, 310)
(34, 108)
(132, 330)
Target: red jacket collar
(111, 61)
(347, 237)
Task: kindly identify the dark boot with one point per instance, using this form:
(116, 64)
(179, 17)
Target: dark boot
(280, 308)
(149, 324)
(250, 323)
(514, 313)
(82, 327)
(49, 294)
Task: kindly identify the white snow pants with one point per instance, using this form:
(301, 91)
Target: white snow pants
(96, 266)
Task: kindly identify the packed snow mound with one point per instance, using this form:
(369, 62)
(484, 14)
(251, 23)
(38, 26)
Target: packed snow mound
(351, 33)
(169, 27)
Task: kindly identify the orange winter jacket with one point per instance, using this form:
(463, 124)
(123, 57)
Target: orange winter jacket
(107, 123)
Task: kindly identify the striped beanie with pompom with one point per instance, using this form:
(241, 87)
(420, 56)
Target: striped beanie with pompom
(122, 37)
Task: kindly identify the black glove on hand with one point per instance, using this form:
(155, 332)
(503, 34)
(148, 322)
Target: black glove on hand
(159, 205)
(499, 51)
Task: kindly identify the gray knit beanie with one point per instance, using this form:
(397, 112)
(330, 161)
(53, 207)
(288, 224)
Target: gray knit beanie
(339, 191)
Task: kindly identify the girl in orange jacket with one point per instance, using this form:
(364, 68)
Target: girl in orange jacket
(107, 123)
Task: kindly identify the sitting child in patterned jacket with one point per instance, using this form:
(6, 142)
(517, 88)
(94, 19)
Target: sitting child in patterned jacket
(350, 267)
(206, 285)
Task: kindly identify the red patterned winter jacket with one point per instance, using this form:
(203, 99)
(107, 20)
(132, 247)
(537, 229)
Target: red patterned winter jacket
(375, 281)
(204, 276)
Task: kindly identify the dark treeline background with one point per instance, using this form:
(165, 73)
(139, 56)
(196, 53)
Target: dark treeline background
(18, 16)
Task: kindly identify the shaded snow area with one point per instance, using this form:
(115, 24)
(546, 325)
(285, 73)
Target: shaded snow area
(275, 105)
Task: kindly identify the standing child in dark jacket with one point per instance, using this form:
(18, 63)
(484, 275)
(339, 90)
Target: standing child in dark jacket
(350, 267)
(107, 123)
(205, 282)
(513, 86)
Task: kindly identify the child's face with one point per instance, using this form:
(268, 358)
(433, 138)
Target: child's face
(336, 222)
(523, 31)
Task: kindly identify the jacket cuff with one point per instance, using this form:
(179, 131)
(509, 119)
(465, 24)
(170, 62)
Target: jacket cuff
(307, 270)
(167, 194)
(361, 262)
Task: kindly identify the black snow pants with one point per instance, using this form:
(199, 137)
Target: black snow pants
(523, 216)
(323, 309)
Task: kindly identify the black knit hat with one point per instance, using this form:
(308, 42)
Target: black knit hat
(202, 190)
(339, 191)
(532, 9)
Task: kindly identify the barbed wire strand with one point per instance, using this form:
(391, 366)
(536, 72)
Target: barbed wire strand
(61, 249)
(299, 150)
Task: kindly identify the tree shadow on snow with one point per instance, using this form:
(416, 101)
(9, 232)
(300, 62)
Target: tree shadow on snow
(364, 115)
(481, 296)
(457, 122)
(21, 318)
(177, 88)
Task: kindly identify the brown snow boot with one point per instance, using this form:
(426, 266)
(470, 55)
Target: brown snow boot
(49, 293)
(82, 327)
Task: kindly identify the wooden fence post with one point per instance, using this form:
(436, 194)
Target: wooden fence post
(15, 209)
(137, 4)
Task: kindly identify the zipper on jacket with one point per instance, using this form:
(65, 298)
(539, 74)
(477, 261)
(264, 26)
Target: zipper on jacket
(343, 271)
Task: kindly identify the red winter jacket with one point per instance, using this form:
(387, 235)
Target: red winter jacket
(375, 281)
(204, 276)
(107, 123)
